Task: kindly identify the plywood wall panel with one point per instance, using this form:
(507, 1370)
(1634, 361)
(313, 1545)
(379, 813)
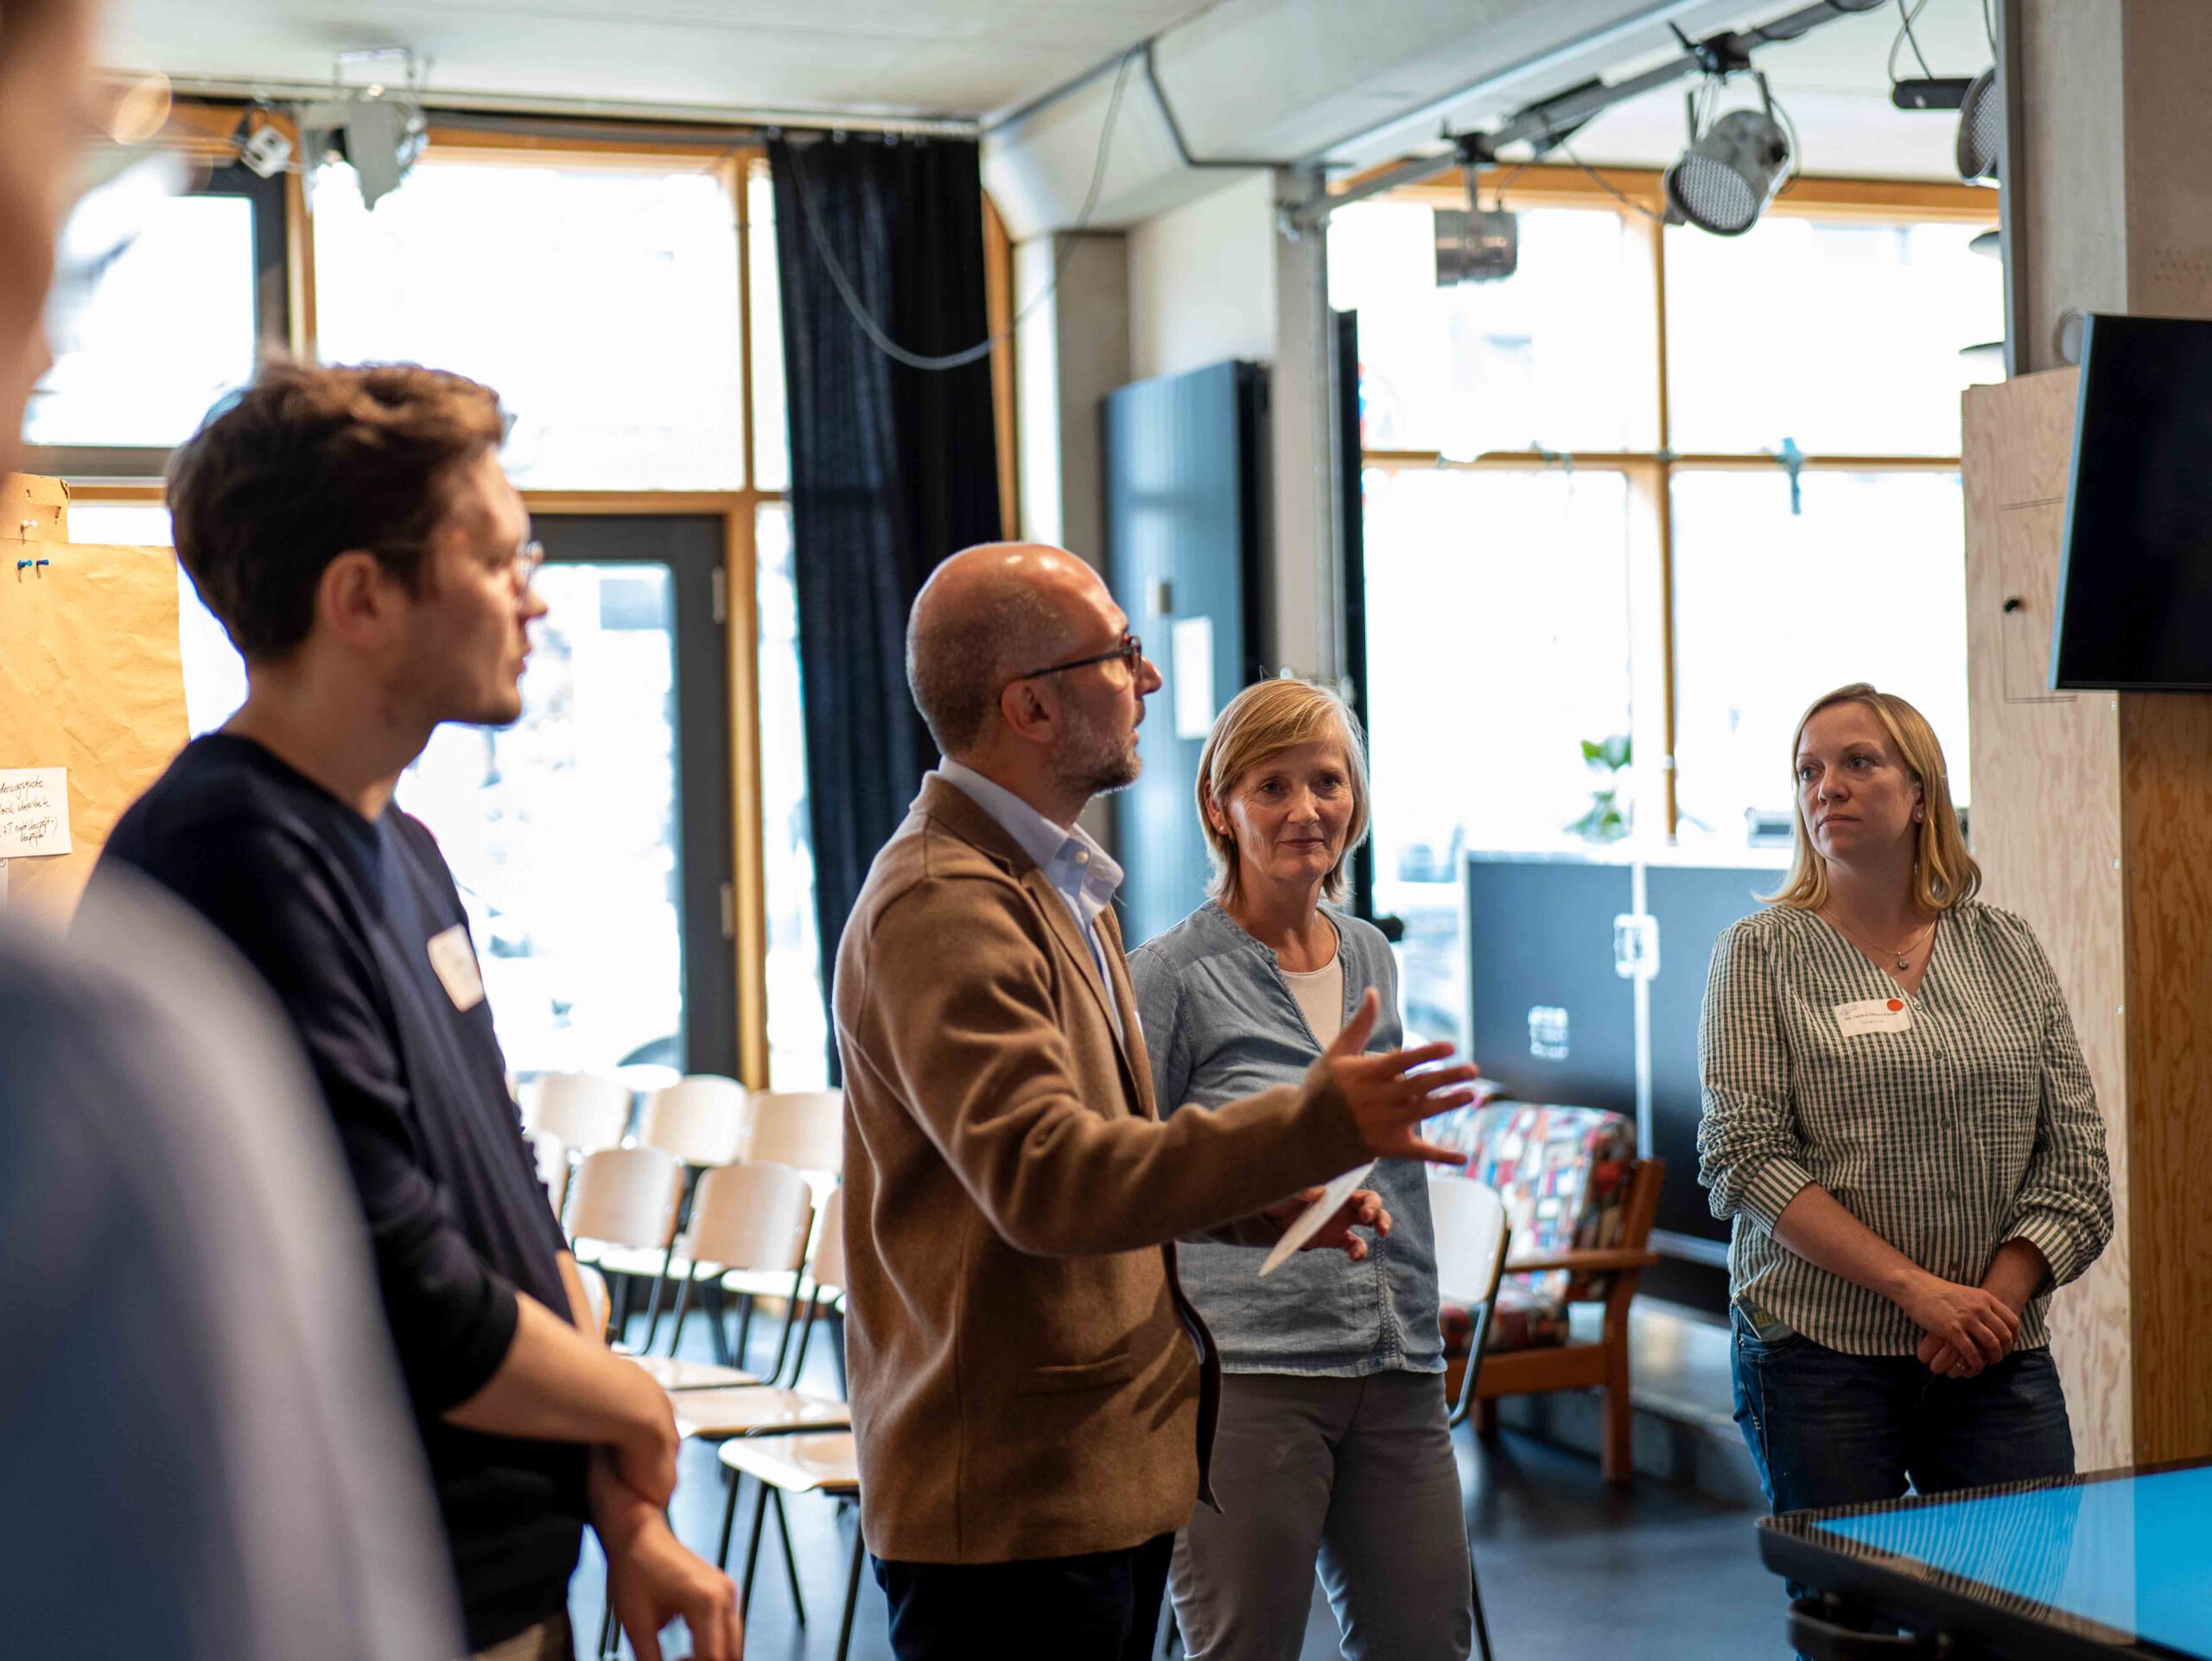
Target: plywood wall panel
(2166, 756)
(2046, 827)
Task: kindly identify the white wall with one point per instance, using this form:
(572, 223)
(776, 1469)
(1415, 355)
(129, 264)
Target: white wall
(1071, 350)
(1202, 281)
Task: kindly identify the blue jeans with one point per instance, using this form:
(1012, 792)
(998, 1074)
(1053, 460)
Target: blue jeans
(1826, 1429)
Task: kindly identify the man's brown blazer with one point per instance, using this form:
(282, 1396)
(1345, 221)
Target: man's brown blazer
(1028, 1378)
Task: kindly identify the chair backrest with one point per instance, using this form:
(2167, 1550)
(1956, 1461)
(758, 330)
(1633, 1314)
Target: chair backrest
(828, 1269)
(1563, 1173)
(626, 1197)
(594, 1293)
(802, 1129)
(551, 1156)
(751, 1217)
(698, 1119)
(1470, 1238)
(586, 1110)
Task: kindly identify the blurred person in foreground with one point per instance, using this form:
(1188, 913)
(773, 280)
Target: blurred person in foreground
(1333, 1445)
(206, 1454)
(1899, 1122)
(1034, 1397)
(352, 530)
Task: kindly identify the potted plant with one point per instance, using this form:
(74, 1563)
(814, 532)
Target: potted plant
(1608, 819)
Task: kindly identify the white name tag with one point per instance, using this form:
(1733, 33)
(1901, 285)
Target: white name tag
(456, 961)
(1873, 1016)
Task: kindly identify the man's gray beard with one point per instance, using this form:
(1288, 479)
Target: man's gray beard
(1095, 769)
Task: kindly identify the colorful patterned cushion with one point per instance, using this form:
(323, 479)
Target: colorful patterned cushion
(1562, 1173)
(1521, 1320)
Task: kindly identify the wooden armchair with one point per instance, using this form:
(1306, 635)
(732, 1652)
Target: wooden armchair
(1580, 1208)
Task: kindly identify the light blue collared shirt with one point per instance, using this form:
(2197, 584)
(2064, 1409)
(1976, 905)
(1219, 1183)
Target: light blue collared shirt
(1081, 872)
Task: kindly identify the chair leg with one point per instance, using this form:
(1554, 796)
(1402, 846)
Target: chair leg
(729, 1517)
(610, 1636)
(791, 1557)
(805, 1336)
(852, 1593)
(717, 1326)
(1617, 1446)
(1482, 1627)
(652, 1304)
(744, 1330)
(683, 1297)
(753, 1549)
(1486, 1416)
(791, 1319)
(837, 1353)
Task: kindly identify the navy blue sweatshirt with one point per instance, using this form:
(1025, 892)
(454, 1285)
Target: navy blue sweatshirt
(347, 920)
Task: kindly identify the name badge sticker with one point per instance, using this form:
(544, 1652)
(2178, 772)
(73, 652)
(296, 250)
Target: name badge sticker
(456, 961)
(1873, 1016)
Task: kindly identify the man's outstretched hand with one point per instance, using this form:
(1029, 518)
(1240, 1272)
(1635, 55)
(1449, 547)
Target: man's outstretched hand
(1363, 1209)
(1387, 1097)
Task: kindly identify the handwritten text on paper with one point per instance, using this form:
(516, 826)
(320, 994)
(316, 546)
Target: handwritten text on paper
(34, 811)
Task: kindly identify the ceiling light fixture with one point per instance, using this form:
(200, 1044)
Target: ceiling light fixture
(378, 131)
(1476, 243)
(1725, 180)
(1982, 128)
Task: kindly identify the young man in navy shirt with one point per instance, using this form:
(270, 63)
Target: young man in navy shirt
(354, 532)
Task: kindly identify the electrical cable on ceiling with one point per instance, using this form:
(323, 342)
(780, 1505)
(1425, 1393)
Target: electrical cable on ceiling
(874, 331)
(1607, 185)
(1906, 15)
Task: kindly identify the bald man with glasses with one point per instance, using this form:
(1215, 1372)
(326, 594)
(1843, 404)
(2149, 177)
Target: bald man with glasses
(1034, 1397)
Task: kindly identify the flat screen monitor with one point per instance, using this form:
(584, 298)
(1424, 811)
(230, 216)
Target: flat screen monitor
(2113, 1563)
(2135, 576)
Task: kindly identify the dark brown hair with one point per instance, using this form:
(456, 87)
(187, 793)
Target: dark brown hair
(307, 463)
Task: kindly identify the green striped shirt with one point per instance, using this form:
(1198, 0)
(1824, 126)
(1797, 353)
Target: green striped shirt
(1973, 1125)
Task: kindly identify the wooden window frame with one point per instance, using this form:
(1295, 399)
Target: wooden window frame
(1638, 197)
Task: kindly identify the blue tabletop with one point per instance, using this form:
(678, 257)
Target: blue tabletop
(2133, 1553)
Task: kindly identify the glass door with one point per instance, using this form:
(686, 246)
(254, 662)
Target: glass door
(591, 840)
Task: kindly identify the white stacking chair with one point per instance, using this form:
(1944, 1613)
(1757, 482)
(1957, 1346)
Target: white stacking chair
(624, 1197)
(1472, 1236)
(826, 1464)
(825, 1275)
(802, 1129)
(746, 1219)
(699, 1119)
(586, 1110)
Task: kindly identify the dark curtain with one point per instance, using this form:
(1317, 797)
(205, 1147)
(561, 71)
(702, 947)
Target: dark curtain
(892, 468)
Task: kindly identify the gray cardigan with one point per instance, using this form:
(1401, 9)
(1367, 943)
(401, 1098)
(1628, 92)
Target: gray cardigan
(1220, 1023)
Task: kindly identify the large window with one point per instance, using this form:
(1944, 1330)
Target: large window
(601, 301)
(635, 853)
(1559, 355)
(1628, 511)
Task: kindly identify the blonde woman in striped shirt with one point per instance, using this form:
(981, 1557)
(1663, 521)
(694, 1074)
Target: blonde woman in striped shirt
(1899, 1122)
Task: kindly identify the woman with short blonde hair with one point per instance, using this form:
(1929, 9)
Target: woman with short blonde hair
(1899, 1122)
(1332, 1449)
(1262, 722)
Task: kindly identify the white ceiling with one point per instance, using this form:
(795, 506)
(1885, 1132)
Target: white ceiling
(969, 59)
(958, 57)
(1834, 84)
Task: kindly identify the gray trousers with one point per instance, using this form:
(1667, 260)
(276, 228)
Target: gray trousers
(1355, 1473)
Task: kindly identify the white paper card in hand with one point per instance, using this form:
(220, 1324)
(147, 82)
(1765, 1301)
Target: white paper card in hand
(34, 811)
(1308, 1223)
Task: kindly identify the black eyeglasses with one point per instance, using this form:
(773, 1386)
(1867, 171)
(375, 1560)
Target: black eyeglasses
(1130, 651)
